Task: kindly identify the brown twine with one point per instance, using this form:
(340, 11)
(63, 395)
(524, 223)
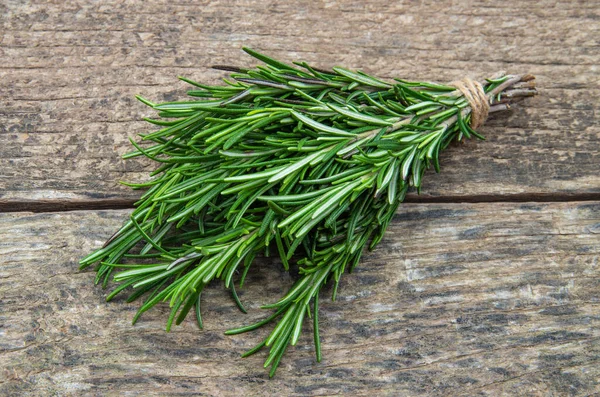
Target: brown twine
(480, 106)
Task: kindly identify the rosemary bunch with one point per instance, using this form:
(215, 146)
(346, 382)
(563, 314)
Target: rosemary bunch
(310, 164)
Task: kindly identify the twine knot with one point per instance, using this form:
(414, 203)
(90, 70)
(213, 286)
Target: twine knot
(480, 106)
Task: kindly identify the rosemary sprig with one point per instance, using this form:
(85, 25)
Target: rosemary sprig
(307, 163)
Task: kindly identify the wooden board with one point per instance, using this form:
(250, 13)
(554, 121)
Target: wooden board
(70, 72)
(460, 299)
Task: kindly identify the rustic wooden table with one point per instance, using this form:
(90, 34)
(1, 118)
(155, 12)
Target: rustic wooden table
(486, 284)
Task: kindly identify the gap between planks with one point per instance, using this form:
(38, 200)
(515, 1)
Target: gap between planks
(61, 205)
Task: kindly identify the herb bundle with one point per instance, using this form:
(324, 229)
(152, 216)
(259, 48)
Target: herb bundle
(305, 163)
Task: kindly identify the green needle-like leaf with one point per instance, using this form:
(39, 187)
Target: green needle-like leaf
(306, 164)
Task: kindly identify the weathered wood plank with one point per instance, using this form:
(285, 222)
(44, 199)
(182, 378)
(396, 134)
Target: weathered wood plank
(460, 299)
(70, 72)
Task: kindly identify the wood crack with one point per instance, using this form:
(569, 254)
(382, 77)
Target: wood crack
(62, 205)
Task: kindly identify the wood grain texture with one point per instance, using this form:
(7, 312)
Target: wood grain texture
(460, 299)
(69, 73)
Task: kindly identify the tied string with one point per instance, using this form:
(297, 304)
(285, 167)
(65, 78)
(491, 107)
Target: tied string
(480, 106)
